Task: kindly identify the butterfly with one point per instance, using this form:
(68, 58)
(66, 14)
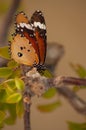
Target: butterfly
(28, 46)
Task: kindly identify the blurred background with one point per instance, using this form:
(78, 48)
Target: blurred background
(66, 25)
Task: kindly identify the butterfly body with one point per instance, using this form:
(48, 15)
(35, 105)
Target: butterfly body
(29, 43)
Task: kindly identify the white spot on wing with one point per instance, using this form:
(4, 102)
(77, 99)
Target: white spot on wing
(38, 11)
(22, 13)
(21, 30)
(29, 26)
(18, 25)
(40, 25)
(22, 25)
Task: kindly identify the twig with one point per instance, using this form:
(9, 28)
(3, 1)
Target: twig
(71, 80)
(27, 119)
(27, 104)
(6, 25)
(77, 103)
(8, 21)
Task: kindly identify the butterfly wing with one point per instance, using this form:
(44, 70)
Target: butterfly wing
(34, 32)
(38, 23)
(24, 48)
(24, 28)
(22, 51)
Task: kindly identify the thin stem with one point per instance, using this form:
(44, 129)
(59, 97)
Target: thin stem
(8, 21)
(27, 105)
(70, 81)
(75, 81)
(27, 119)
(77, 103)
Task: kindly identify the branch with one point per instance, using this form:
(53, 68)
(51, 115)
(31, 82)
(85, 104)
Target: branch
(27, 120)
(8, 21)
(27, 104)
(38, 85)
(6, 25)
(77, 103)
(70, 81)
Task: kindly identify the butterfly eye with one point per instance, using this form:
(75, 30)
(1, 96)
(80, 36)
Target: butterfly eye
(19, 54)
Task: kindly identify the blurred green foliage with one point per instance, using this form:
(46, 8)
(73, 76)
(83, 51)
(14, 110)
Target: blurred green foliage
(4, 52)
(11, 88)
(81, 72)
(76, 126)
(49, 107)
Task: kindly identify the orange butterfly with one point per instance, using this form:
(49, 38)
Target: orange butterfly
(29, 43)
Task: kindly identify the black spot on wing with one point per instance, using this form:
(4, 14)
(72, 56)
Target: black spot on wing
(21, 48)
(19, 54)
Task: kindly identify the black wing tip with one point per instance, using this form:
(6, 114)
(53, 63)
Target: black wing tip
(39, 12)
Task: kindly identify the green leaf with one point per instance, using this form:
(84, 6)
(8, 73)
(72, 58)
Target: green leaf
(10, 83)
(79, 69)
(77, 88)
(16, 73)
(5, 72)
(49, 107)
(12, 64)
(3, 96)
(19, 84)
(46, 73)
(50, 93)
(2, 106)
(14, 98)
(19, 108)
(11, 108)
(76, 126)
(10, 121)
(8, 89)
(4, 52)
(2, 116)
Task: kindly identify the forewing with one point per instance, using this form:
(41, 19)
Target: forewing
(38, 23)
(24, 28)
